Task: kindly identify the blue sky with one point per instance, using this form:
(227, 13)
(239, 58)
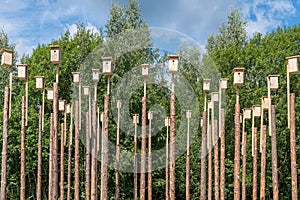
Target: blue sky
(29, 22)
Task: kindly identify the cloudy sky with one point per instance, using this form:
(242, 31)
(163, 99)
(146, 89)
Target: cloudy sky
(29, 22)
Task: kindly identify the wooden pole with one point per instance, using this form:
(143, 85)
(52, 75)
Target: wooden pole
(269, 107)
(94, 153)
(150, 161)
(216, 160)
(50, 158)
(288, 97)
(143, 156)
(4, 145)
(135, 163)
(244, 146)
(167, 162)
(104, 163)
(70, 153)
(39, 172)
(187, 164)
(77, 152)
(172, 146)
(26, 94)
(55, 142)
(263, 164)
(237, 149)
(10, 88)
(293, 147)
(43, 109)
(209, 192)
(79, 96)
(254, 189)
(87, 158)
(23, 151)
(62, 157)
(222, 157)
(118, 156)
(274, 154)
(203, 156)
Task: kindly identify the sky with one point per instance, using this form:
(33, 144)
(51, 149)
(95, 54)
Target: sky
(30, 22)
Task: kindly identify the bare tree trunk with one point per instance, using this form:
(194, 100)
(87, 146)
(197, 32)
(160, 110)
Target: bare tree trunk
(143, 156)
(237, 149)
(209, 188)
(274, 155)
(50, 158)
(254, 191)
(172, 146)
(55, 143)
(62, 158)
(4, 145)
(94, 153)
(244, 146)
(39, 172)
(203, 156)
(167, 165)
(150, 162)
(135, 165)
(23, 151)
(87, 159)
(70, 154)
(216, 159)
(77, 151)
(263, 164)
(104, 163)
(293, 147)
(222, 157)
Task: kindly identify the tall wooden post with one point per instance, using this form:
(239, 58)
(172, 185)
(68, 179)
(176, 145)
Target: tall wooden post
(50, 158)
(263, 164)
(39, 172)
(70, 153)
(293, 147)
(87, 158)
(62, 158)
(23, 151)
(94, 153)
(222, 157)
(150, 117)
(135, 121)
(167, 124)
(55, 142)
(244, 148)
(209, 144)
(216, 159)
(254, 183)
(143, 156)
(77, 153)
(187, 166)
(172, 146)
(203, 156)
(274, 154)
(4, 145)
(119, 103)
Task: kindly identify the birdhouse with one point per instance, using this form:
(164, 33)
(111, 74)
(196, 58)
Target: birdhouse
(173, 63)
(206, 85)
(214, 96)
(68, 108)
(273, 80)
(265, 103)
(292, 64)
(22, 71)
(107, 66)
(238, 76)
(188, 114)
(135, 119)
(201, 122)
(76, 77)
(50, 94)
(86, 90)
(96, 73)
(119, 104)
(145, 68)
(61, 105)
(55, 54)
(223, 83)
(247, 113)
(167, 121)
(150, 115)
(256, 111)
(40, 82)
(7, 57)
